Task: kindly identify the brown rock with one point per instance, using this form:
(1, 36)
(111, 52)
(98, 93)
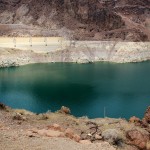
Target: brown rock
(55, 127)
(65, 110)
(69, 133)
(147, 115)
(85, 142)
(137, 121)
(76, 138)
(134, 119)
(137, 138)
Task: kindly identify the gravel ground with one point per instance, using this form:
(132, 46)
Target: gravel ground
(14, 133)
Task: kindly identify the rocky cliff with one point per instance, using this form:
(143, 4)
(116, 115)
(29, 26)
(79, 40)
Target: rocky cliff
(123, 20)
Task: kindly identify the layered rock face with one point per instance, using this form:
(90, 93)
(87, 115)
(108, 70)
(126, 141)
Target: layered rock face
(95, 14)
(78, 19)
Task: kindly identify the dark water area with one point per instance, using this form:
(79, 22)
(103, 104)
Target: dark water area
(122, 89)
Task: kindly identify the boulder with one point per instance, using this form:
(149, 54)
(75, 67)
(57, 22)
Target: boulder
(137, 138)
(138, 122)
(76, 138)
(134, 119)
(64, 110)
(69, 133)
(111, 135)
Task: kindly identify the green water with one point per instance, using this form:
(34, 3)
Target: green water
(123, 89)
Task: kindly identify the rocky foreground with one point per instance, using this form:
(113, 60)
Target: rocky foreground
(20, 129)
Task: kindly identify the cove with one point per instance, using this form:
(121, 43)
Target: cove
(123, 89)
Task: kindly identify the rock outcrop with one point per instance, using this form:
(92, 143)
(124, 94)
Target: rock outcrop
(138, 139)
(80, 20)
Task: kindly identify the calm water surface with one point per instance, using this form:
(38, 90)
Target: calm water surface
(124, 89)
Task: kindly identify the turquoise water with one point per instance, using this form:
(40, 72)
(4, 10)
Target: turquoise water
(123, 89)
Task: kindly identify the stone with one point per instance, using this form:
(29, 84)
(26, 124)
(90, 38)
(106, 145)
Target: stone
(137, 138)
(111, 135)
(42, 132)
(52, 133)
(65, 110)
(69, 133)
(134, 119)
(56, 127)
(85, 141)
(138, 122)
(97, 137)
(147, 115)
(18, 116)
(84, 135)
(76, 138)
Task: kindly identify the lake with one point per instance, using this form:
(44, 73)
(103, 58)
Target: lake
(123, 90)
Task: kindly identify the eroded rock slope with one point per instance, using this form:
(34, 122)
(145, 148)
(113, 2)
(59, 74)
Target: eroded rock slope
(78, 19)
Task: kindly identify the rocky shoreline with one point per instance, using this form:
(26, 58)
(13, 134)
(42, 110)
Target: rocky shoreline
(117, 52)
(50, 130)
